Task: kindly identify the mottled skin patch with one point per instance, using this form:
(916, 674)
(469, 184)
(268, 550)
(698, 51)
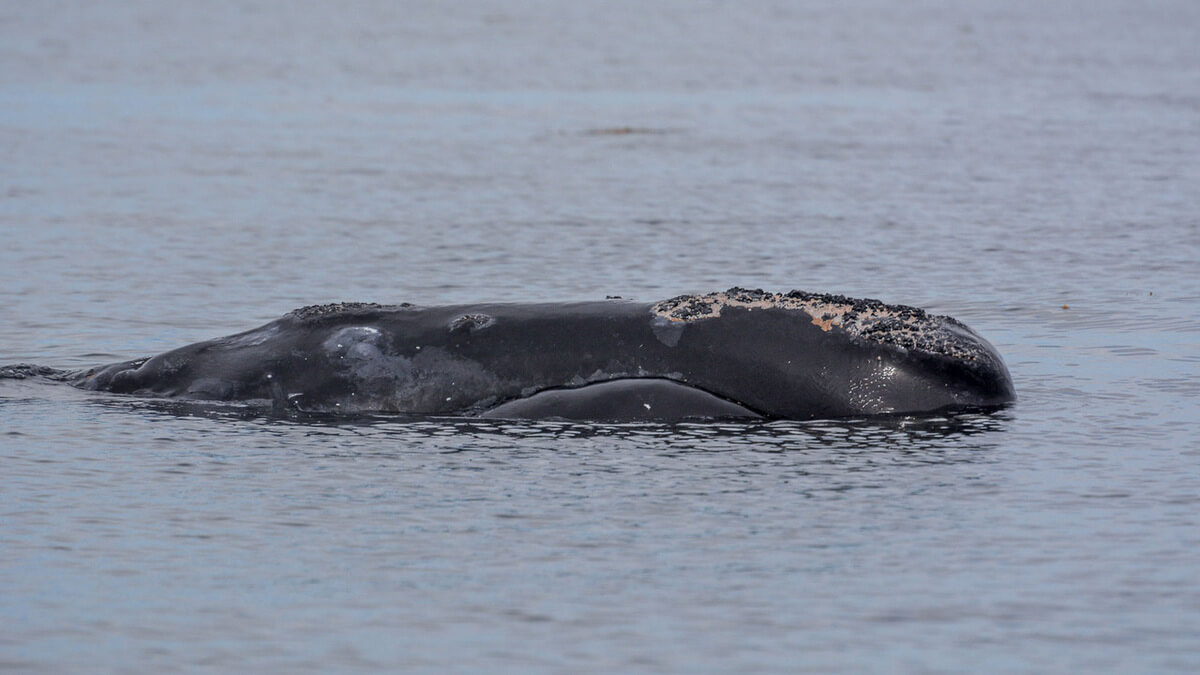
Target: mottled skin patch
(865, 318)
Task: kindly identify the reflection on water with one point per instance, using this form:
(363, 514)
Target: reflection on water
(904, 433)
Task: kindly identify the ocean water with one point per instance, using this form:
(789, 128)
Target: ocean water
(176, 172)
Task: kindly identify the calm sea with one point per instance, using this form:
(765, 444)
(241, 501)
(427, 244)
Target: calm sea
(177, 171)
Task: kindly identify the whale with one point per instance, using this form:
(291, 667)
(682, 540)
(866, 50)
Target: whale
(734, 354)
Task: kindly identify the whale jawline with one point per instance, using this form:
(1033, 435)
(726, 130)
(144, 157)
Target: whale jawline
(644, 399)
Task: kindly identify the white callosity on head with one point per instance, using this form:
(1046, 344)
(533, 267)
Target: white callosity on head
(899, 325)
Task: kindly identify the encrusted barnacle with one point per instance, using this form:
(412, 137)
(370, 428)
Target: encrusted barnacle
(866, 318)
(471, 322)
(312, 312)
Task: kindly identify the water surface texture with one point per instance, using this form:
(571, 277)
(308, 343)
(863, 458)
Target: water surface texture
(174, 172)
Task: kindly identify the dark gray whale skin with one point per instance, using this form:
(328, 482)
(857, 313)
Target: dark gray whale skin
(734, 354)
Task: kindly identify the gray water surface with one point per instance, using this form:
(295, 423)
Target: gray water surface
(172, 173)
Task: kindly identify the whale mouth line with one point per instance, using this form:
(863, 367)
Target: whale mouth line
(659, 399)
